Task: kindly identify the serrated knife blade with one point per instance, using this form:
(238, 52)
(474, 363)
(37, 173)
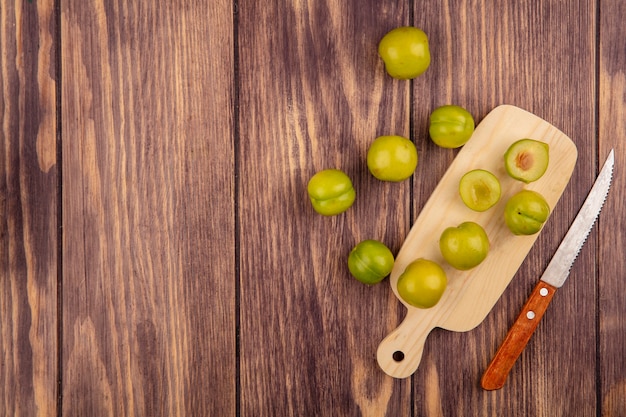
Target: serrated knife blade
(557, 270)
(553, 277)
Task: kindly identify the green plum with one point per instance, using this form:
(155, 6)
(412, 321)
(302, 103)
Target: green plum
(331, 192)
(526, 212)
(451, 126)
(405, 52)
(422, 283)
(370, 261)
(527, 160)
(479, 189)
(392, 158)
(464, 246)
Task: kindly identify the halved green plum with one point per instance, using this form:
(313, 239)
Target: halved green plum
(479, 189)
(527, 160)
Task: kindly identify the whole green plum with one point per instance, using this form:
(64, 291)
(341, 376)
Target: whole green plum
(370, 261)
(526, 212)
(464, 246)
(451, 126)
(392, 158)
(422, 283)
(331, 192)
(405, 52)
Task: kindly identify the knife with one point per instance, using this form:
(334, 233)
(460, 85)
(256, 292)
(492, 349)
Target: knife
(553, 277)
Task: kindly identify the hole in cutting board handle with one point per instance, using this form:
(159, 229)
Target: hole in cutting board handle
(398, 356)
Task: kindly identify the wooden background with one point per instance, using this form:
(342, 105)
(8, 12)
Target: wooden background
(159, 257)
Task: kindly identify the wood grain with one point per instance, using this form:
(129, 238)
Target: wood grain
(612, 225)
(148, 202)
(539, 57)
(28, 210)
(314, 94)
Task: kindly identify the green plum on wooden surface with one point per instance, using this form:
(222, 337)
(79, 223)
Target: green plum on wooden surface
(422, 283)
(451, 126)
(370, 261)
(405, 52)
(526, 212)
(479, 189)
(392, 158)
(527, 160)
(464, 246)
(331, 192)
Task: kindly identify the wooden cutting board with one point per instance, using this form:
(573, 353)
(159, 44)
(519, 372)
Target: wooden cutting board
(470, 295)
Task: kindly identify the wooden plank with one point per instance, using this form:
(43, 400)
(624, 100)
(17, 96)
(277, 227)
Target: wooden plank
(314, 94)
(539, 57)
(28, 210)
(148, 201)
(612, 226)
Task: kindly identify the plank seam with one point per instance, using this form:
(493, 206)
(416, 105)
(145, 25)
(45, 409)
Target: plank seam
(236, 196)
(412, 6)
(59, 204)
(598, 370)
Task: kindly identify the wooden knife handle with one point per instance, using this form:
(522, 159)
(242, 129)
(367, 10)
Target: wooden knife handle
(518, 336)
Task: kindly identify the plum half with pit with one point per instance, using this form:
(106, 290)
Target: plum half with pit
(527, 160)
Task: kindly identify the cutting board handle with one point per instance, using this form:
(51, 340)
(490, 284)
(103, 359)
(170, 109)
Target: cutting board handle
(400, 353)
